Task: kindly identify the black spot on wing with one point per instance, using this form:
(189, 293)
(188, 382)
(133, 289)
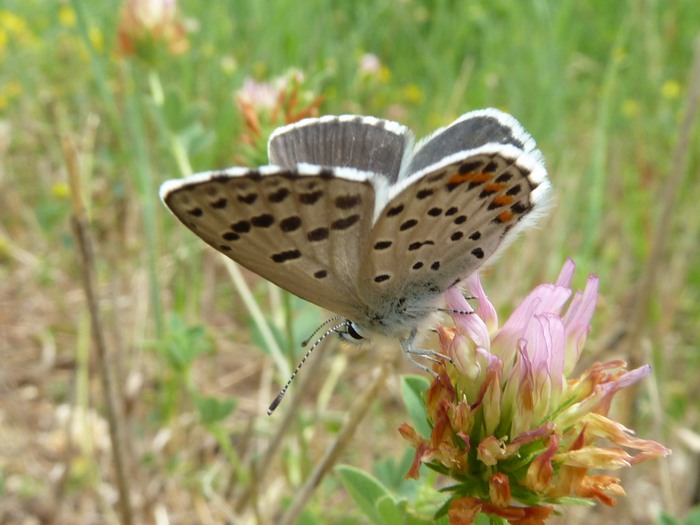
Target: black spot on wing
(345, 202)
(393, 212)
(382, 245)
(285, 256)
(311, 197)
(407, 225)
(318, 234)
(279, 195)
(417, 245)
(514, 190)
(249, 198)
(231, 236)
(290, 224)
(469, 167)
(263, 221)
(344, 223)
(519, 208)
(490, 167)
(241, 227)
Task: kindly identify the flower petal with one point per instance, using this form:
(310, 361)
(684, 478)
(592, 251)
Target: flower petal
(601, 426)
(577, 321)
(421, 446)
(567, 272)
(541, 471)
(602, 488)
(463, 511)
(499, 489)
(470, 325)
(485, 310)
(596, 457)
(490, 451)
(546, 349)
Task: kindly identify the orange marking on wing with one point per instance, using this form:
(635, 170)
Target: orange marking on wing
(494, 187)
(482, 177)
(502, 200)
(505, 216)
(459, 178)
(472, 176)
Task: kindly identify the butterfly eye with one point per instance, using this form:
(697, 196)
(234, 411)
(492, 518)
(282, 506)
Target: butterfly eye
(352, 331)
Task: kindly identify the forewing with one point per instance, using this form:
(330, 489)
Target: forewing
(445, 221)
(470, 132)
(301, 228)
(364, 143)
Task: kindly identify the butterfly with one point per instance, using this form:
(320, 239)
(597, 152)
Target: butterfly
(354, 218)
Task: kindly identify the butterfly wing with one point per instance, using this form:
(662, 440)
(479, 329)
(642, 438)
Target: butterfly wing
(302, 228)
(444, 220)
(364, 143)
(469, 132)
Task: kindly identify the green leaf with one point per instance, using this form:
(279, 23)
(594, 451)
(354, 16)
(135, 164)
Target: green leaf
(413, 393)
(365, 490)
(183, 344)
(390, 511)
(212, 410)
(392, 473)
(397, 511)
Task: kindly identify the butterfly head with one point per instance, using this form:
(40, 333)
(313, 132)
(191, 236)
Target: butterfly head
(352, 332)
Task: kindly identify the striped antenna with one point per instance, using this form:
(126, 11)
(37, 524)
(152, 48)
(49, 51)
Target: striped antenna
(328, 332)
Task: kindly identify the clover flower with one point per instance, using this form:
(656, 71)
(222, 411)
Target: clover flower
(146, 25)
(515, 432)
(265, 106)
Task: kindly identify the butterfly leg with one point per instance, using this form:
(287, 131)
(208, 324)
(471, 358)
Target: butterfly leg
(430, 355)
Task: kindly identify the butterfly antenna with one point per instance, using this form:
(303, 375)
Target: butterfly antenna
(452, 311)
(331, 320)
(449, 311)
(328, 332)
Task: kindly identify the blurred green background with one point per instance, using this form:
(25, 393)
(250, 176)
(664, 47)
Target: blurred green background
(603, 88)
